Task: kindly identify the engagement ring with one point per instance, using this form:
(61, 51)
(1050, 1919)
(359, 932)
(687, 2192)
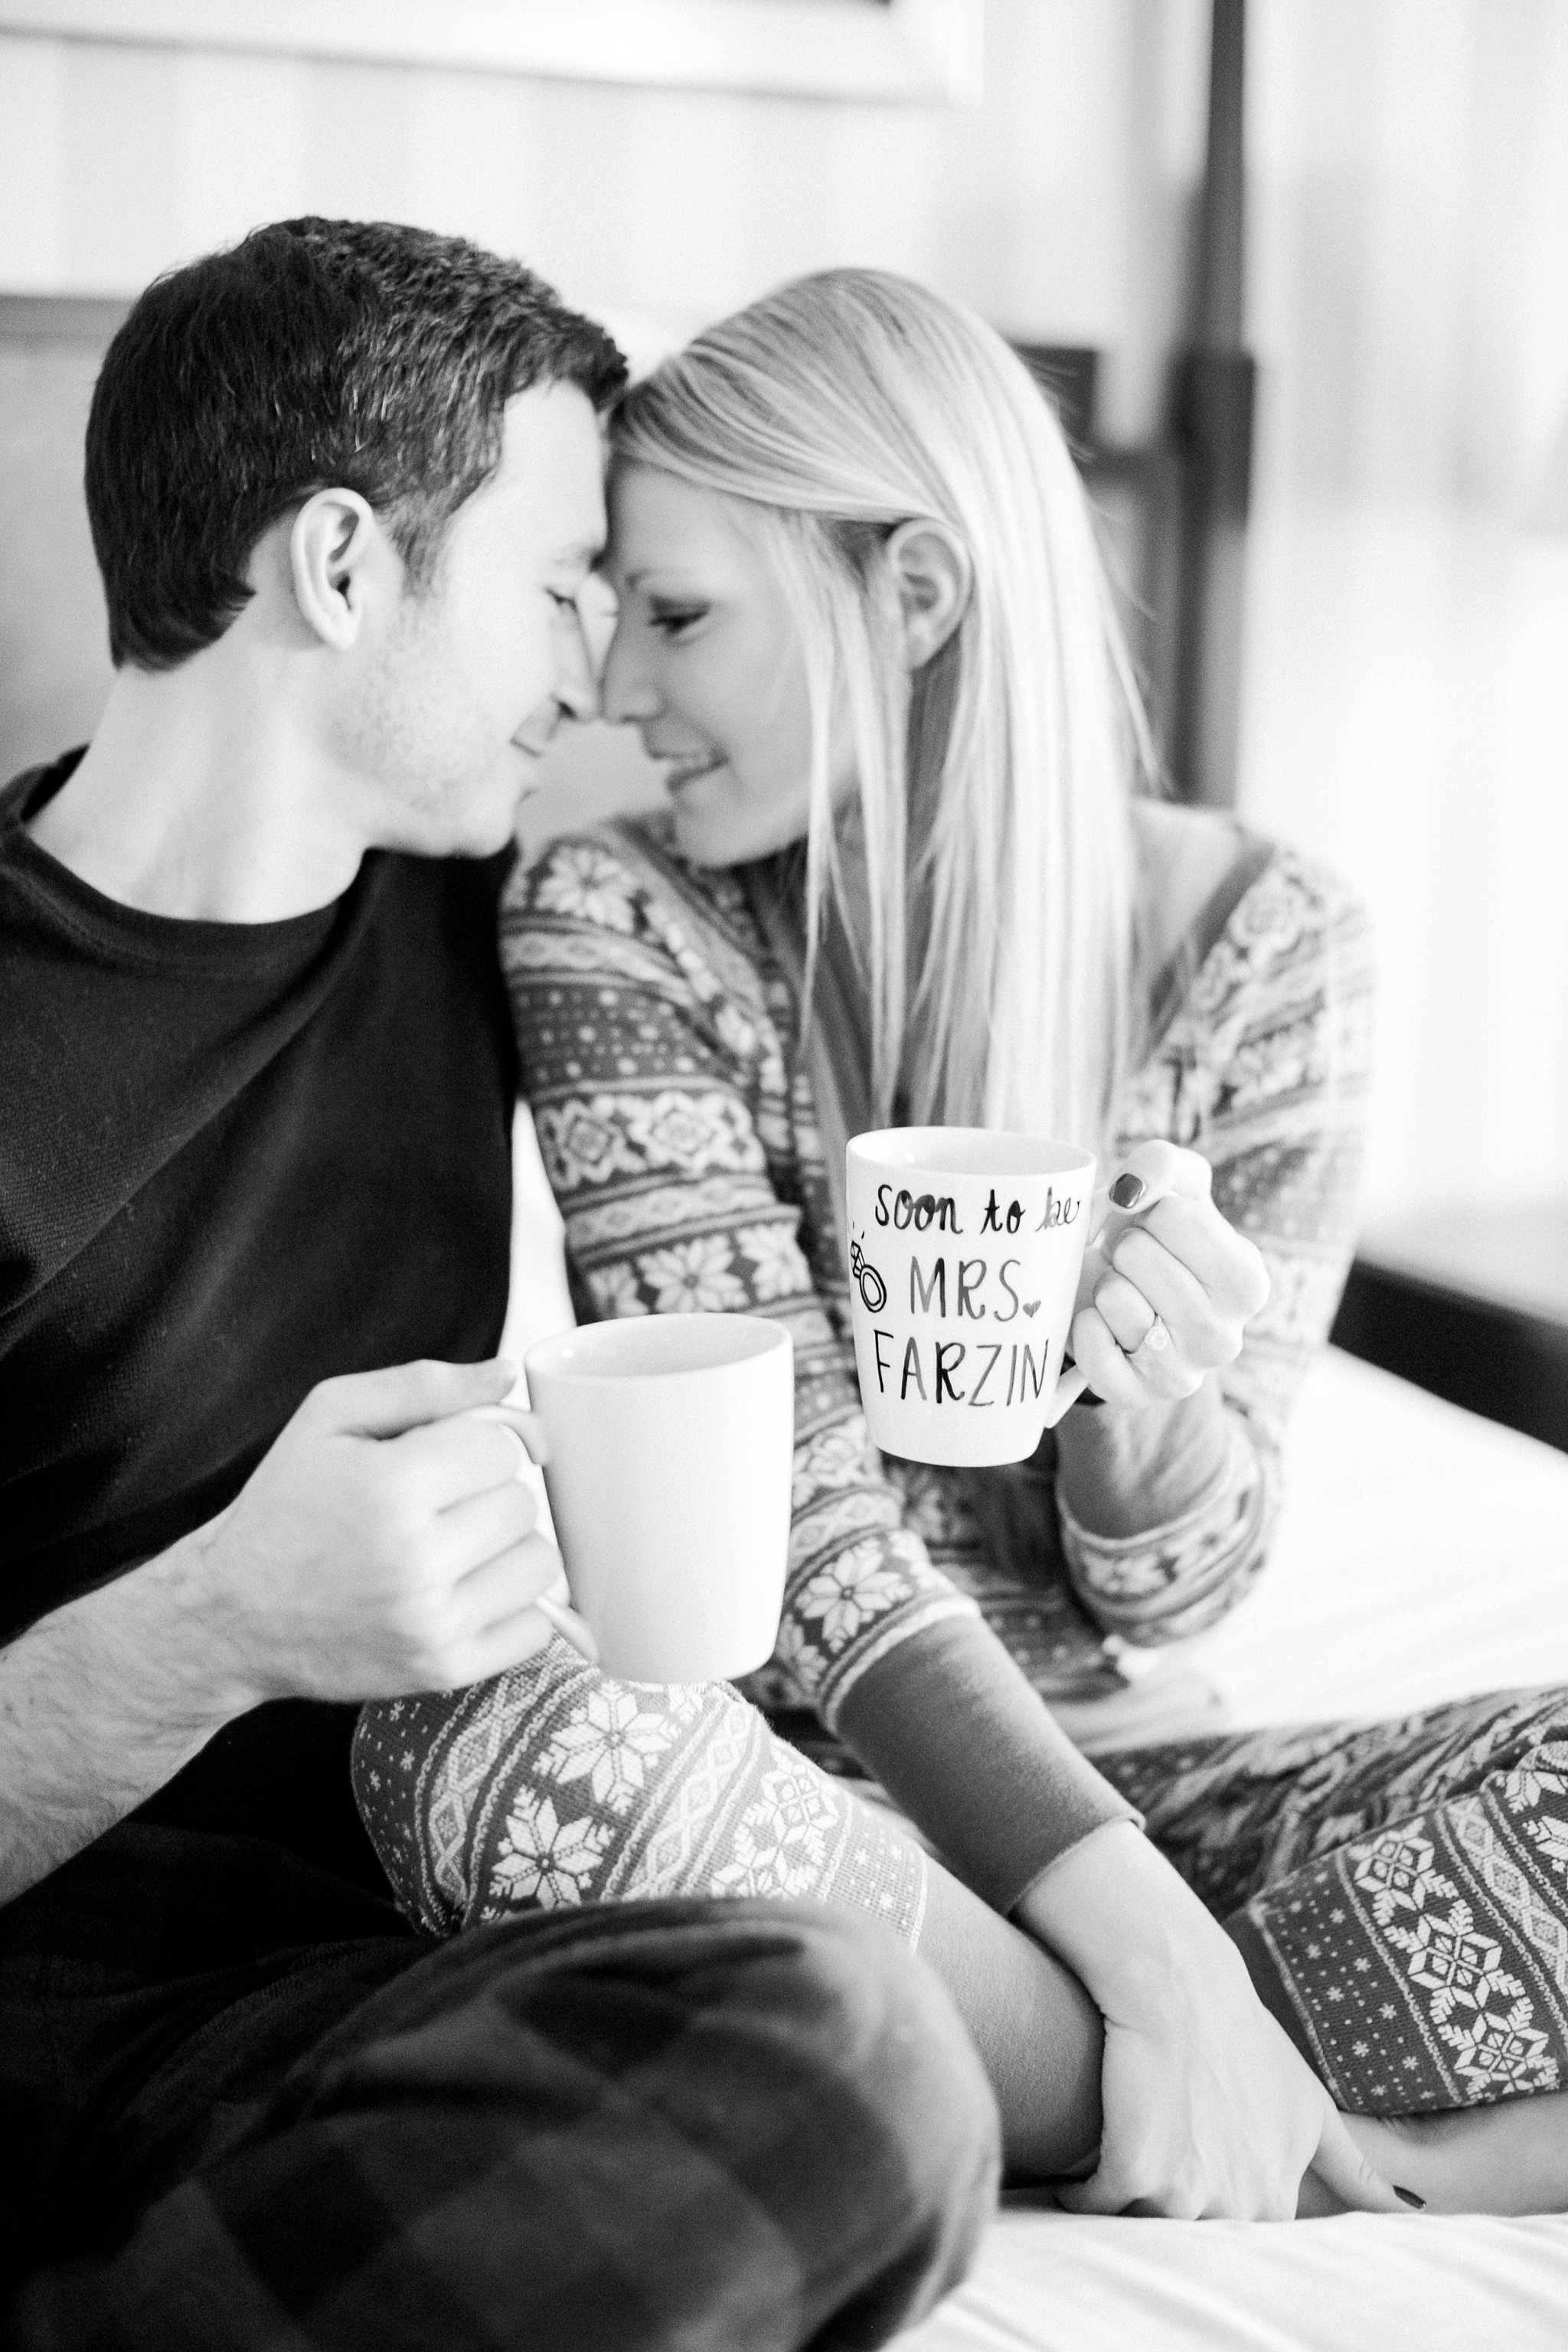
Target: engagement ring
(1155, 1339)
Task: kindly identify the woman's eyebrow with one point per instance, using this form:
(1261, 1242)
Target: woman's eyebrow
(658, 572)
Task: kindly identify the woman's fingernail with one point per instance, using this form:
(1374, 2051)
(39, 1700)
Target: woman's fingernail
(1128, 1190)
(1410, 2197)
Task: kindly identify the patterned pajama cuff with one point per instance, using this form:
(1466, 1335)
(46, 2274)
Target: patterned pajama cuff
(1147, 1585)
(1425, 1967)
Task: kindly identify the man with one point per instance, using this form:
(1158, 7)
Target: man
(257, 1078)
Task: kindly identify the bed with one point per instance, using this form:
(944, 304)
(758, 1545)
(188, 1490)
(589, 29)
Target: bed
(1423, 1555)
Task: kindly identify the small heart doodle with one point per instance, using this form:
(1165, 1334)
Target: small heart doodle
(1031, 1305)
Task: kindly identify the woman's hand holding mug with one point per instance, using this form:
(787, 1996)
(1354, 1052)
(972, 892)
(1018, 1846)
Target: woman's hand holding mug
(960, 1238)
(1168, 1286)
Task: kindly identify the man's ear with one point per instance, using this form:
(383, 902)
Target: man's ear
(935, 579)
(338, 556)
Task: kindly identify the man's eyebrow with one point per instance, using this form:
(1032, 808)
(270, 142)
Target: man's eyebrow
(581, 551)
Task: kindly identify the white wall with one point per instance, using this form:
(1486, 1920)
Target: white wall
(1053, 206)
(1408, 638)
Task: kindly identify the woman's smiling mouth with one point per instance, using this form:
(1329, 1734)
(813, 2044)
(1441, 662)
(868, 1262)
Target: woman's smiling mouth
(685, 771)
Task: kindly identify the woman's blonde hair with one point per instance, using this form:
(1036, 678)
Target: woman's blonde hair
(994, 783)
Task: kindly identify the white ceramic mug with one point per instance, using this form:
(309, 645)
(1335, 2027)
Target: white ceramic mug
(965, 1245)
(671, 1450)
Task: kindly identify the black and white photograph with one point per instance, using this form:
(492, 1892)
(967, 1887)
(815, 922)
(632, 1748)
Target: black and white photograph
(783, 1175)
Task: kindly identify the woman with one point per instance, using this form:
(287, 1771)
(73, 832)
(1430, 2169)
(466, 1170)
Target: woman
(862, 617)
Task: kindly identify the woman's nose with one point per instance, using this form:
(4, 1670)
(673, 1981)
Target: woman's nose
(627, 690)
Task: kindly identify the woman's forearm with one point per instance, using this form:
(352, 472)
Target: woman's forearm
(1121, 1919)
(1159, 1544)
(949, 1725)
(1122, 1473)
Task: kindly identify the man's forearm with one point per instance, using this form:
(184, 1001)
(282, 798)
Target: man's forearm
(101, 1703)
(342, 1570)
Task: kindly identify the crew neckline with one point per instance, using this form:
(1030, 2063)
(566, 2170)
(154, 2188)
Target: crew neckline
(108, 924)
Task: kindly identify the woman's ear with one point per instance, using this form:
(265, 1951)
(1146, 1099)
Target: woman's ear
(935, 579)
(338, 555)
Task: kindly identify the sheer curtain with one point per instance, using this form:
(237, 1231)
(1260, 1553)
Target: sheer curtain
(1406, 658)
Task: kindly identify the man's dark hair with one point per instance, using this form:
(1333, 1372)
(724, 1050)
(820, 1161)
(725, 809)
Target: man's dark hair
(316, 353)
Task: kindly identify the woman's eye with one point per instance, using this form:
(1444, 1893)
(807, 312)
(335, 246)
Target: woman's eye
(674, 622)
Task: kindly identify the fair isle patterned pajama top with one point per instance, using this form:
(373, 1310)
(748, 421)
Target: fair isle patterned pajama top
(1400, 1891)
(660, 1043)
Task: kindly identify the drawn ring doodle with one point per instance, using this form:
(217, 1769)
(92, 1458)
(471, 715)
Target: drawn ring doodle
(873, 1289)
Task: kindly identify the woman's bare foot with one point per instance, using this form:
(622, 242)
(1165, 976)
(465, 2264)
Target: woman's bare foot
(1508, 2159)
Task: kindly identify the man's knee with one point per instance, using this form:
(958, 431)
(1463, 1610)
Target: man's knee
(894, 2140)
(786, 2097)
(804, 2008)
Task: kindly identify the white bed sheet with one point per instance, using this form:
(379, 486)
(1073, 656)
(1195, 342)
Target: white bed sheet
(1056, 2283)
(1423, 1555)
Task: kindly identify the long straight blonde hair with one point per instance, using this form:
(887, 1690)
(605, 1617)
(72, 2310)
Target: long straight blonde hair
(994, 785)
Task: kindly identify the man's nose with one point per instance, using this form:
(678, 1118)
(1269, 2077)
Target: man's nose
(576, 688)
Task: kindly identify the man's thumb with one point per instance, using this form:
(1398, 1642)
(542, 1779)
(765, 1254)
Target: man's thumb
(407, 1396)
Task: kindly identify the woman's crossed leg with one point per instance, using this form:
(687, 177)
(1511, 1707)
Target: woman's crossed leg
(1399, 1891)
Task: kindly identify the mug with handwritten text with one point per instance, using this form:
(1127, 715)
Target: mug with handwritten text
(966, 1246)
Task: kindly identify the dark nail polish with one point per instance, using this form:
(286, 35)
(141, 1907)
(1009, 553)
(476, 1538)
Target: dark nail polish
(1128, 1190)
(1410, 2197)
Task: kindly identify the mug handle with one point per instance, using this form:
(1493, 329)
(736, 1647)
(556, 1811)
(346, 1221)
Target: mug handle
(556, 1608)
(1069, 1387)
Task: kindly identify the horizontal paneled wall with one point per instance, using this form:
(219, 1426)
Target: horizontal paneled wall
(1055, 207)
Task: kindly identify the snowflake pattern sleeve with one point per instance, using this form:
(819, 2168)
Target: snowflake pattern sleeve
(1263, 1068)
(682, 1150)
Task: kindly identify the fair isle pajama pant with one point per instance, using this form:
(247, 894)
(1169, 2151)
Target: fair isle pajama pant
(1399, 1890)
